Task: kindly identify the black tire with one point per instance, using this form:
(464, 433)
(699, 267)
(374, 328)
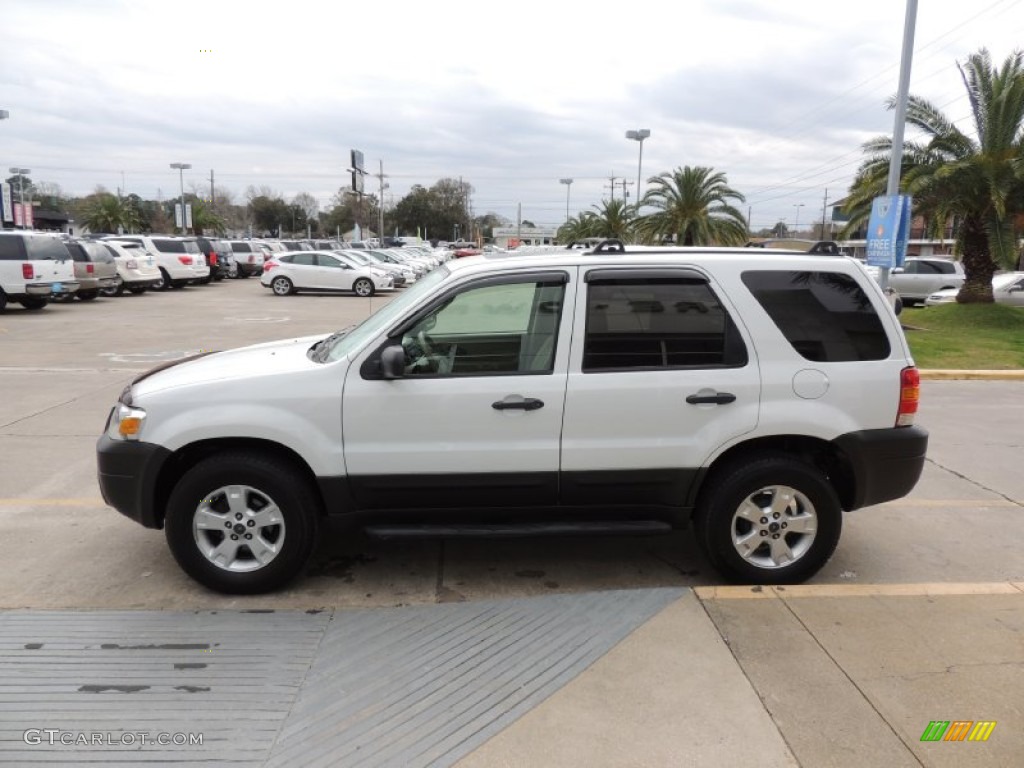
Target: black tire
(264, 479)
(3, 301)
(87, 295)
(178, 284)
(363, 287)
(34, 303)
(164, 282)
(137, 289)
(758, 480)
(117, 290)
(282, 286)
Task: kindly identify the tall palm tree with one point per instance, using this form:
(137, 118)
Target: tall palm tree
(694, 207)
(976, 176)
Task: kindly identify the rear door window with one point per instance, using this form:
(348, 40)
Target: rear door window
(826, 316)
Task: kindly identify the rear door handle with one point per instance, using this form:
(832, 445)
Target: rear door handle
(719, 398)
(518, 402)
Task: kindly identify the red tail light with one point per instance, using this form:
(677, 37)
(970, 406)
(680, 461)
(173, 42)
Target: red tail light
(89, 269)
(186, 260)
(27, 272)
(910, 396)
(213, 259)
(269, 266)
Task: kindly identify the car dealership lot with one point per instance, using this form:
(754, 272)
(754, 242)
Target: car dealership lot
(917, 616)
(62, 369)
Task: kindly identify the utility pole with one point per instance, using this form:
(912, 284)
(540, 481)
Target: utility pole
(625, 194)
(824, 207)
(380, 206)
(212, 203)
(612, 180)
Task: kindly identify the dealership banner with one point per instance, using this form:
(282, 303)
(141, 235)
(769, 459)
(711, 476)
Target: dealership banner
(7, 210)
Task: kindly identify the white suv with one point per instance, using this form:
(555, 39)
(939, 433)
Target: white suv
(179, 258)
(627, 390)
(34, 267)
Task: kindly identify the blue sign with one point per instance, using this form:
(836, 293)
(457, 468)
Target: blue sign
(888, 230)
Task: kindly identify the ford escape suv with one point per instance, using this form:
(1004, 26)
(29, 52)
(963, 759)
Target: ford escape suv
(621, 390)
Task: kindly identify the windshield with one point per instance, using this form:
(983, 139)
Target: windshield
(382, 318)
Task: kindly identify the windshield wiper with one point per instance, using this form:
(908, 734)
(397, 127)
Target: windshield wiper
(320, 350)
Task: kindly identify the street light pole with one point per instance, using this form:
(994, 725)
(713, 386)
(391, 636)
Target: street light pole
(21, 173)
(798, 206)
(639, 135)
(568, 186)
(181, 168)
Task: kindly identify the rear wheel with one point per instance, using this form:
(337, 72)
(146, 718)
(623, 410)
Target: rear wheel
(137, 289)
(242, 523)
(363, 287)
(3, 301)
(282, 286)
(87, 295)
(34, 303)
(164, 282)
(116, 290)
(768, 519)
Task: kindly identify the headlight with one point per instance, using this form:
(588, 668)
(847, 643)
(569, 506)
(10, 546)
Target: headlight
(125, 422)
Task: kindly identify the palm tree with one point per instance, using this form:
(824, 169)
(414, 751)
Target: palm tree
(975, 176)
(693, 207)
(612, 218)
(108, 212)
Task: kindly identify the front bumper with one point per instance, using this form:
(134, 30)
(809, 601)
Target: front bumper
(886, 463)
(128, 471)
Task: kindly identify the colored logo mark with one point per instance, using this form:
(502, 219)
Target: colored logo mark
(958, 730)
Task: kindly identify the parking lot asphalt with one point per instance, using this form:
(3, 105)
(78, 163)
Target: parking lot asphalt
(919, 617)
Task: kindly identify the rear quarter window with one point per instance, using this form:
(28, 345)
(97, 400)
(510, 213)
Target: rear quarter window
(169, 246)
(11, 248)
(826, 316)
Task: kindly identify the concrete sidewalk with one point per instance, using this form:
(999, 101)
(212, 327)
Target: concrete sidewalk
(829, 675)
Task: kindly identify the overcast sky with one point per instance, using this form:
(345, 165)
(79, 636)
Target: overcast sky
(509, 96)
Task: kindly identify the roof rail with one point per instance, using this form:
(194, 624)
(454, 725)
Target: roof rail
(611, 245)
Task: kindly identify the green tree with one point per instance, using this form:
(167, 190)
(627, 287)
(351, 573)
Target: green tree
(976, 176)
(612, 218)
(269, 214)
(693, 206)
(107, 213)
(204, 220)
(436, 211)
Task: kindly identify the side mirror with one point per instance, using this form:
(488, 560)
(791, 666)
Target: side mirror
(392, 362)
(898, 270)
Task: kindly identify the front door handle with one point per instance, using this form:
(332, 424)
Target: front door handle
(719, 398)
(518, 402)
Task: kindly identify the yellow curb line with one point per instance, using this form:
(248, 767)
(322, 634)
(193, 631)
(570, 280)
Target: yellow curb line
(933, 589)
(52, 503)
(938, 374)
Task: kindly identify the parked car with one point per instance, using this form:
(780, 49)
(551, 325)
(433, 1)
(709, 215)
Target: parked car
(179, 258)
(34, 267)
(1007, 288)
(218, 256)
(400, 275)
(95, 269)
(136, 268)
(630, 389)
(919, 278)
(298, 271)
(249, 256)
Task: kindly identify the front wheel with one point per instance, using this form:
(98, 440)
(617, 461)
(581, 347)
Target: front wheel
(115, 290)
(242, 523)
(363, 287)
(768, 519)
(282, 286)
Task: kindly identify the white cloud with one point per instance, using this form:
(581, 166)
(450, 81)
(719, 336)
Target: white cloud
(511, 97)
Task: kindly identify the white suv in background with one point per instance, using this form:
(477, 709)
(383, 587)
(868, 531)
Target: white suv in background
(919, 278)
(179, 258)
(34, 267)
(629, 389)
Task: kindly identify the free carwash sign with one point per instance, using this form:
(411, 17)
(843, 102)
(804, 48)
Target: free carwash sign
(888, 229)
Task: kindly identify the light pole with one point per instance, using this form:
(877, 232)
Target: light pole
(181, 168)
(21, 173)
(796, 226)
(568, 186)
(639, 135)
